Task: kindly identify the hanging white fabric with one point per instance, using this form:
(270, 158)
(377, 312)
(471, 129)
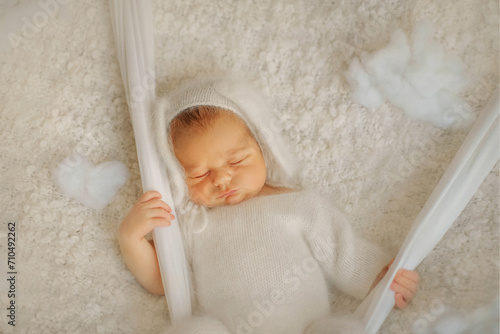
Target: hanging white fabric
(472, 163)
(134, 38)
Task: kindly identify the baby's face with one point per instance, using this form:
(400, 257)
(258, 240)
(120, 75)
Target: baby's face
(223, 163)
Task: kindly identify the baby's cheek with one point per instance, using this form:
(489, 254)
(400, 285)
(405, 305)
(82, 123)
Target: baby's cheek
(254, 178)
(194, 194)
(200, 193)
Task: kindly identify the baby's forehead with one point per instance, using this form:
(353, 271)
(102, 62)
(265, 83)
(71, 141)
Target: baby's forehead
(228, 119)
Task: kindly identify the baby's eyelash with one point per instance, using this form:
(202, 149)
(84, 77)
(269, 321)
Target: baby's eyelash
(199, 176)
(237, 162)
(208, 172)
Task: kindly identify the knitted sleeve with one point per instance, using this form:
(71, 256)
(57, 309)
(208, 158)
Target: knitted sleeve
(349, 262)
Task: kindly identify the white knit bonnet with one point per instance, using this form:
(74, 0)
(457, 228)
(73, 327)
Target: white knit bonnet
(234, 95)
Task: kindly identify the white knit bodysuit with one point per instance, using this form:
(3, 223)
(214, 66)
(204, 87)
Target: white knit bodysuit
(265, 265)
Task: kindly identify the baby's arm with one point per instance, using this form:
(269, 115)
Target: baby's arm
(404, 285)
(138, 253)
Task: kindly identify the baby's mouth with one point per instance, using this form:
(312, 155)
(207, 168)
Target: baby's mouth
(228, 193)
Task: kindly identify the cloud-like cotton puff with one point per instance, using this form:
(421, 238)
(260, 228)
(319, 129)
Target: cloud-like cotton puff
(93, 186)
(415, 76)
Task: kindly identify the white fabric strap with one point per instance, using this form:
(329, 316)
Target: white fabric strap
(472, 163)
(134, 37)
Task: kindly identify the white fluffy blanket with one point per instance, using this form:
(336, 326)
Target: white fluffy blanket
(61, 94)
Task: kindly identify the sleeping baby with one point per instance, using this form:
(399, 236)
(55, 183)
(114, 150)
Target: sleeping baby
(265, 255)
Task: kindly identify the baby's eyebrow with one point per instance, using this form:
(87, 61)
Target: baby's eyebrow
(243, 145)
(193, 169)
(236, 150)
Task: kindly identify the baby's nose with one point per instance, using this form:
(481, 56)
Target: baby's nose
(221, 178)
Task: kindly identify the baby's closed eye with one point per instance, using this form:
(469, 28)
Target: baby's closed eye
(237, 162)
(199, 175)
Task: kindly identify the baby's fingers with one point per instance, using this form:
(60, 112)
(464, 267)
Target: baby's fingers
(403, 294)
(405, 286)
(152, 199)
(148, 195)
(159, 222)
(160, 214)
(400, 301)
(408, 279)
(152, 218)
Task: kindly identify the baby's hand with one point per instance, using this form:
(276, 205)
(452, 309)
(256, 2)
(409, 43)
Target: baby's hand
(404, 285)
(148, 213)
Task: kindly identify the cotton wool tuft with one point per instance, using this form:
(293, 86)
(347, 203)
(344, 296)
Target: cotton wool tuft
(415, 75)
(89, 184)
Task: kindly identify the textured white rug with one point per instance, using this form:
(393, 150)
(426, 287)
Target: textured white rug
(61, 93)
